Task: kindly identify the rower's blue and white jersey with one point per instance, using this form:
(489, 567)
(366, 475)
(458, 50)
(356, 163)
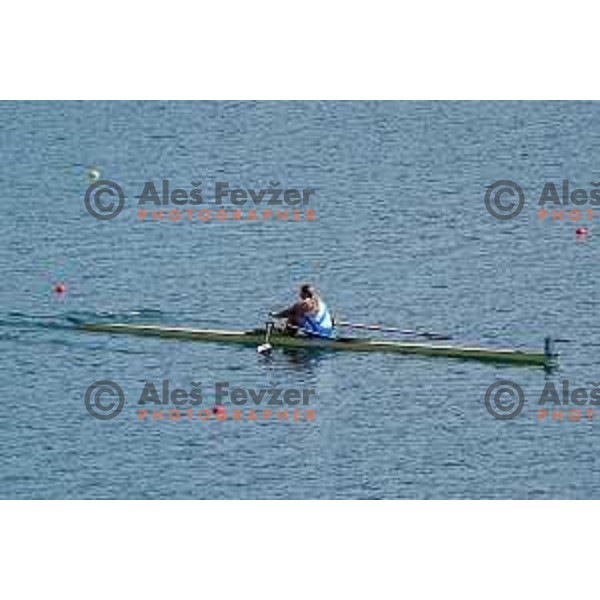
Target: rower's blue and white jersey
(321, 324)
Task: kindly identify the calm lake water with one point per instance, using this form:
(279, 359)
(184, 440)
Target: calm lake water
(401, 236)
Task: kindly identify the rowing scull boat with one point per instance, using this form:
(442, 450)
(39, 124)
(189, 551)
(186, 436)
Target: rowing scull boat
(354, 344)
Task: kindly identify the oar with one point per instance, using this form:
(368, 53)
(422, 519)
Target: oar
(431, 335)
(266, 347)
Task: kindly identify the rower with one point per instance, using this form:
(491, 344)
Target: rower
(308, 315)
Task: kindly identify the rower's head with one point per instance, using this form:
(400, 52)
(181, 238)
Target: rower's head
(307, 291)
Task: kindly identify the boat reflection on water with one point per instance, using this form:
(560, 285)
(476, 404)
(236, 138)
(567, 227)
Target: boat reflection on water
(301, 360)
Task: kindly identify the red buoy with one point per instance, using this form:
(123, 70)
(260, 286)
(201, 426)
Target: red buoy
(219, 411)
(581, 231)
(59, 287)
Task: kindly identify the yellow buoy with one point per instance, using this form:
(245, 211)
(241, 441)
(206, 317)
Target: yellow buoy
(93, 174)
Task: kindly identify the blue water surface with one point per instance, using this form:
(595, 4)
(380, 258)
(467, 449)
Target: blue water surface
(401, 236)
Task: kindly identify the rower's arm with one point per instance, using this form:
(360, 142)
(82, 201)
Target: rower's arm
(297, 308)
(281, 314)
